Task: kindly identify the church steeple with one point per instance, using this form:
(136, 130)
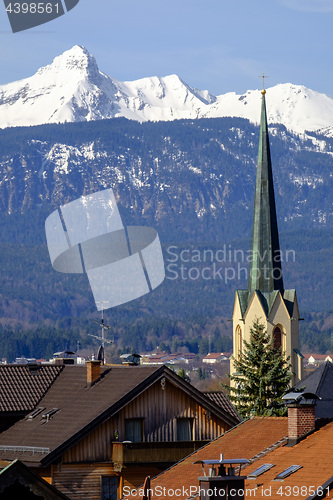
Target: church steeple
(265, 298)
(265, 273)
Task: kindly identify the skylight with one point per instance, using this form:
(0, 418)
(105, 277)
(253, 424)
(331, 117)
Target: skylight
(50, 413)
(36, 412)
(263, 468)
(287, 472)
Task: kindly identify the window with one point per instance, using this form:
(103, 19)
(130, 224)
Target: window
(36, 412)
(263, 468)
(109, 488)
(48, 414)
(134, 430)
(277, 337)
(287, 472)
(239, 341)
(184, 429)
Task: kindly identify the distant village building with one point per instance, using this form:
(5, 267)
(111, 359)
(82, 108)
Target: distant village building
(316, 359)
(266, 298)
(216, 357)
(163, 358)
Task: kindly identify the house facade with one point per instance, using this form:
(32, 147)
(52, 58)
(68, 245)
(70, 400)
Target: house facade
(100, 429)
(283, 457)
(215, 357)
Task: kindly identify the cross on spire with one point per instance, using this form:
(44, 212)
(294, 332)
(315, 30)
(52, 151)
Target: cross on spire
(263, 76)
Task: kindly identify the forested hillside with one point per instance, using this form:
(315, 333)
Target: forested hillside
(191, 180)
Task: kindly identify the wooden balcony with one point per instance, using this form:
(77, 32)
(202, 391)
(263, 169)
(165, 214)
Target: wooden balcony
(155, 452)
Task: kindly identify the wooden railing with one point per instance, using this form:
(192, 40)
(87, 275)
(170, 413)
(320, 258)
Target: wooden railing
(130, 453)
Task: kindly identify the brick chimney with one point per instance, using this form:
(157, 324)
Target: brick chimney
(301, 421)
(93, 372)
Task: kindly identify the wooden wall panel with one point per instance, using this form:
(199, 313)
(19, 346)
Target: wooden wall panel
(81, 481)
(133, 477)
(160, 409)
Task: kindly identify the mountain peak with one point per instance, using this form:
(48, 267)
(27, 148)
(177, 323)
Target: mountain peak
(72, 88)
(76, 59)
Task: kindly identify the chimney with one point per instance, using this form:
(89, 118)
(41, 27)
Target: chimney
(93, 372)
(301, 421)
(220, 484)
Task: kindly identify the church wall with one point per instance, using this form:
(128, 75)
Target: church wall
(278, 316)
(255, 311)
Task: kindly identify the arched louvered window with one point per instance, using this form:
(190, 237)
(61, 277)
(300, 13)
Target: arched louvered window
(277, 337)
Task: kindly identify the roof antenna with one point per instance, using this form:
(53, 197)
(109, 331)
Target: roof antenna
(102, 339)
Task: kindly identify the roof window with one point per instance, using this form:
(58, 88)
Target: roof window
(263, 468)
(287, 472)
(48, 414)
(36, 412)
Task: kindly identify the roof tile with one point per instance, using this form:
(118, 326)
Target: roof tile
(22, 386)
(312, 453)
(243, 441)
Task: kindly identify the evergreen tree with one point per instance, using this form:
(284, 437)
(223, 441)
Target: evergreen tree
(182, 374)
(262, 376)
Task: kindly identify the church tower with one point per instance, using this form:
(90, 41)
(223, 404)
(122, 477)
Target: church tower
(266, 299)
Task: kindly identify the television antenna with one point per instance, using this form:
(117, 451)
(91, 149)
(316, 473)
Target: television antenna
(102, 339)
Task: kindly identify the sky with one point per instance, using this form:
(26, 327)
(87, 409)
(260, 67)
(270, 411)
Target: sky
(218, 45)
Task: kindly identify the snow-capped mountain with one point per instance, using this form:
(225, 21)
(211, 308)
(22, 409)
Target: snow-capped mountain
(73, 88)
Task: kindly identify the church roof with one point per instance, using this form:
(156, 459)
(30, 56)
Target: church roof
(265, 273)
(267, 300)
(320, 382)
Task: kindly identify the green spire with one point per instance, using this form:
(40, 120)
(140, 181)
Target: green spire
(265, 273)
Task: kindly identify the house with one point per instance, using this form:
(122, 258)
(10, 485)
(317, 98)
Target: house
(287, 457)
(18, 481)
(249, 439)
(215, 357)
(104, 427)
(316, 359)
(164, 358)
(21, 389)
(221, 399)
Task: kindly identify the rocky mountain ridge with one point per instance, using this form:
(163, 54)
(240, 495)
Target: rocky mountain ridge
(192, 176)
(73, 88)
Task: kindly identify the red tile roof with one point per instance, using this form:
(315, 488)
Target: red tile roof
(243, 441)
(318, 356)
(313, 454)
(214, 355)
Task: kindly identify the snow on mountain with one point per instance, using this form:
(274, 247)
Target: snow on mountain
(73, 88)
(295, 106)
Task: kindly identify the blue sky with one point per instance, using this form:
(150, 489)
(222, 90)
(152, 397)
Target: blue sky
(217, 45)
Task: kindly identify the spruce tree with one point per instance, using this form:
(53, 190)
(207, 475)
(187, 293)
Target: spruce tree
(262, 376)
